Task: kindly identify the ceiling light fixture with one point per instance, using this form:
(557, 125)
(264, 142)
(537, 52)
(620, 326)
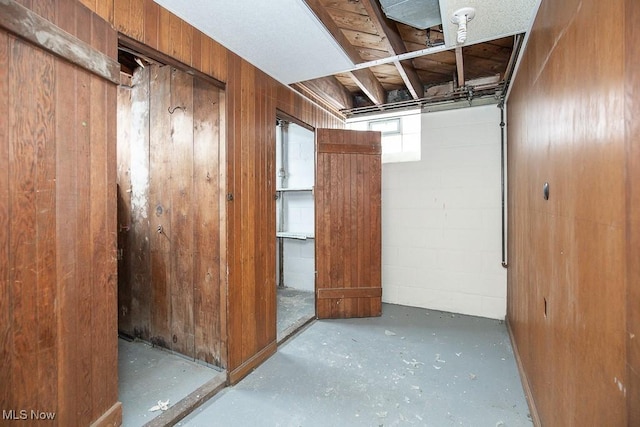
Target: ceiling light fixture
(462, 17)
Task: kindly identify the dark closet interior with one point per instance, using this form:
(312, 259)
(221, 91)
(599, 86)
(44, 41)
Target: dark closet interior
(169, 211)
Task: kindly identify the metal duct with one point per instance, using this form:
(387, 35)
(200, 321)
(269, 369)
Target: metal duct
(421, 14)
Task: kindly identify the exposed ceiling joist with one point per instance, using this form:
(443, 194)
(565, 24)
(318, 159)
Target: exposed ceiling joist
(352, 50)
(460, 66)
(395, 46)
(331, 91)
(369, 84)
(332, 27)
(411, 79)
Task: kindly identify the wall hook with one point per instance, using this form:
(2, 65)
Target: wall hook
(179, 107)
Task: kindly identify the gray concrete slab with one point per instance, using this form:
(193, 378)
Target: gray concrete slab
(147, 375)
(295, 308)
(409, 367)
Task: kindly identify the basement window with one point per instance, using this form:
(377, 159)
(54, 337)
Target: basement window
(400, 134)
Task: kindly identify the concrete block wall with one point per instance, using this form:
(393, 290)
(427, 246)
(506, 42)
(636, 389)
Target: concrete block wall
(441, 218)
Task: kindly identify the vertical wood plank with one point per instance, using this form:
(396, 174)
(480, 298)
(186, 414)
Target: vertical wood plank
(181, 212)
(22, 196)
(151, 17)
(160, 201)
(66, 245)
(248, 224)
(124, 206)
(98, 241)
(122, 15)
(632, 131)
(164, 33)
(138, 255)
(6, 353)
(137, 18)
(44, 8)
(196, 54)
(206, 257)
(175, 36)
(111, 347)
(104, 336)
(234, 275)
(84, 268)
(44, 127)
(186, 42)
(223, 223)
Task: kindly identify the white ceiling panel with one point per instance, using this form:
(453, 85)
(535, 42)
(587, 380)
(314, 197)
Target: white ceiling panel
(494, 19)
(281, 37)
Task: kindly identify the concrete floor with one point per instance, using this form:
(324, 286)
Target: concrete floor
(409, 367)
(147, 374)
(295, 308)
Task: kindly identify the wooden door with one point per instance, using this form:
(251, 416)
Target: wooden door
(348, 226)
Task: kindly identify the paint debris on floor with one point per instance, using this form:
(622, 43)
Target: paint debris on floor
(151, 380)
(409, 367)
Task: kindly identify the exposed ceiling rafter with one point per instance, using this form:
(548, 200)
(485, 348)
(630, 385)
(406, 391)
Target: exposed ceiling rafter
(460, 66)
(395, 46)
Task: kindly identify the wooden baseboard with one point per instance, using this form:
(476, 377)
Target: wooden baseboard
(533, 410)
(243, 370)
(111, 418)
(190, 403)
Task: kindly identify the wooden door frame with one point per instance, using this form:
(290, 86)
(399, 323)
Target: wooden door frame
(288, 117)
(133, 46)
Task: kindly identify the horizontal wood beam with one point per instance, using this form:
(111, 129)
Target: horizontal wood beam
(30, 26)
(411, 79)
(333, 293)
(326, 19)
(331, 90)
(314, 97)
(328, 147)
(395, 46)
(369, 84)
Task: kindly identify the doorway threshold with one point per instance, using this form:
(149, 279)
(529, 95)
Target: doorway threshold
(296, 308)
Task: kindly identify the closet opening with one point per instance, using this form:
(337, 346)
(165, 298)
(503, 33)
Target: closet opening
(171, 290)
(295, 225)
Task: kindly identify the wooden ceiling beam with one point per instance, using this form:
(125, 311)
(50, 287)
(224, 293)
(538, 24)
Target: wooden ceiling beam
(460, 66)
(326, 19)
(331, 91)
(395, 46)
(305, 91)
(369, 84)
(411, 79)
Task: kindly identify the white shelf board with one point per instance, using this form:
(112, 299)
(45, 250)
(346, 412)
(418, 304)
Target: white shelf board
(294, 235)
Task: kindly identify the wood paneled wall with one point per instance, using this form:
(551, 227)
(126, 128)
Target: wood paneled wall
(632, 145)
(572, 294)
(58, 341)
(252, 98)
(169, 212)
